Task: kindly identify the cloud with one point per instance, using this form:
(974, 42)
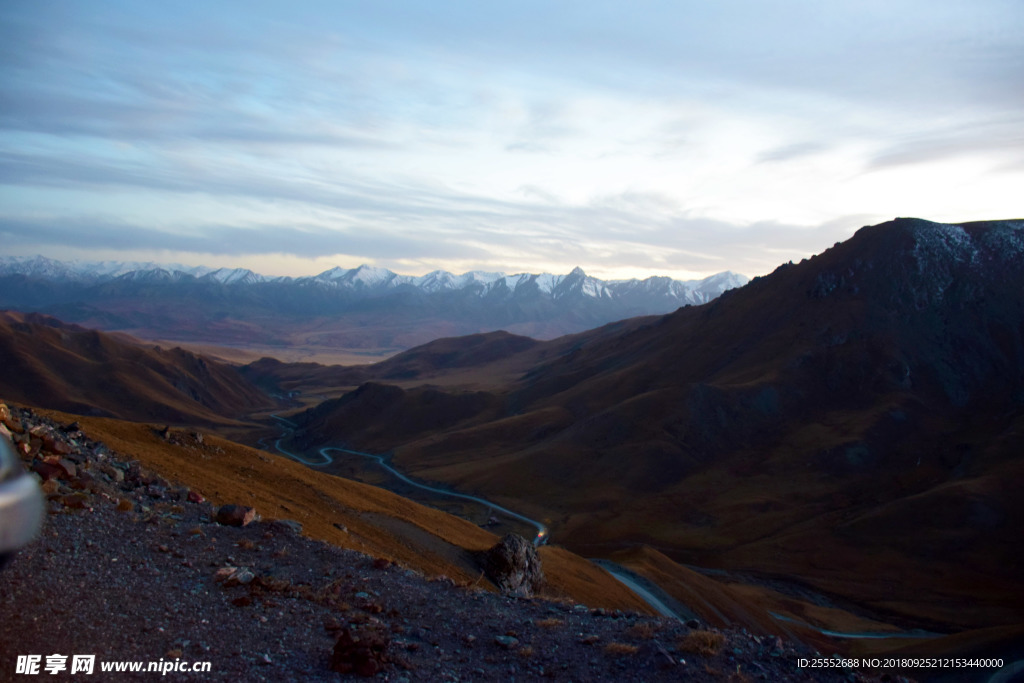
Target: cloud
(790, 152)
(1001, 139)
(682, 135)
(304, 242)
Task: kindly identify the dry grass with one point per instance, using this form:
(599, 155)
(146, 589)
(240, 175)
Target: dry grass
(642, 631)
(375, 522)
(620, 649)
(705, 643)
(550, 623)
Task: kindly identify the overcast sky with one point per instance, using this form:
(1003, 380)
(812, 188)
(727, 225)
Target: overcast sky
(630, 138)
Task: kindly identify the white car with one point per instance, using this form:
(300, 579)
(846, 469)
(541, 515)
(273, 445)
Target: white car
(21, 503)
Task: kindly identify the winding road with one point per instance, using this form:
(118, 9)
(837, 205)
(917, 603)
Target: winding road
(622, 577)
(326, 459)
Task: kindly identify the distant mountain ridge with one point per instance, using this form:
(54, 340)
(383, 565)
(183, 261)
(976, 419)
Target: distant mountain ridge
(367, 278)
(361, 308)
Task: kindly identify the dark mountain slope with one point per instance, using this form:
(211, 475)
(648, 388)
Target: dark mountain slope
(858, 411)
(66, 367)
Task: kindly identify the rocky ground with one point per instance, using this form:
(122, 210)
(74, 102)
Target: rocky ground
(130, 567)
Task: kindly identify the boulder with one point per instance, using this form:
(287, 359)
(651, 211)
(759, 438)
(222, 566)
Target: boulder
(235, 515)
(513, 566)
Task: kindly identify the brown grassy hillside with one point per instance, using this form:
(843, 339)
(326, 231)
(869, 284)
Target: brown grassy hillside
(49, 363)
(339, 511)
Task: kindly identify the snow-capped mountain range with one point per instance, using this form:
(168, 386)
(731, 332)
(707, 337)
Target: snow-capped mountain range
(358, 308)
(370, 278)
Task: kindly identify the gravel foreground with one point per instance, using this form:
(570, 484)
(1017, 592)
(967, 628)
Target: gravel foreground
(130, 567)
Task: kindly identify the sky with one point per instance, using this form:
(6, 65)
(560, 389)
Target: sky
(631, 138)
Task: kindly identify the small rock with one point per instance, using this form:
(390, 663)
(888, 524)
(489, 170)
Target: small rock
(507, 642)
(114, 473)
(69, 467)
(77, 501)
(47, 470)
(195, 497)
(361, 651)
(224, 573)
(290, 525)
(235, 515)
(243, 577)
(54, 445)
(11, 422)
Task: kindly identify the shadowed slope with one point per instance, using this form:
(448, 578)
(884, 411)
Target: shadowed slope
(854, 420)
(48, 363)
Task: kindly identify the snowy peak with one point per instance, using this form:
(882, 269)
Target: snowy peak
(362, 277)
(86, 271)
(639, 294)
(233, 276)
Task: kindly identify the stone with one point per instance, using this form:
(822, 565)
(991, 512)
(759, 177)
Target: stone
(235, 515)
(69, 468)
(11, 422)
(507, 642)
(47, 470)
(84, 482)
(51, 444)
(289, 525)
(114, 473)
(195, 497)
(361, 651)
(513, 566)
(243, 577)
(224, 573)
(77, 501)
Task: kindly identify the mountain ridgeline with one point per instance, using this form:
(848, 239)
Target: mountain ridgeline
(856, 413)
(361, 308)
